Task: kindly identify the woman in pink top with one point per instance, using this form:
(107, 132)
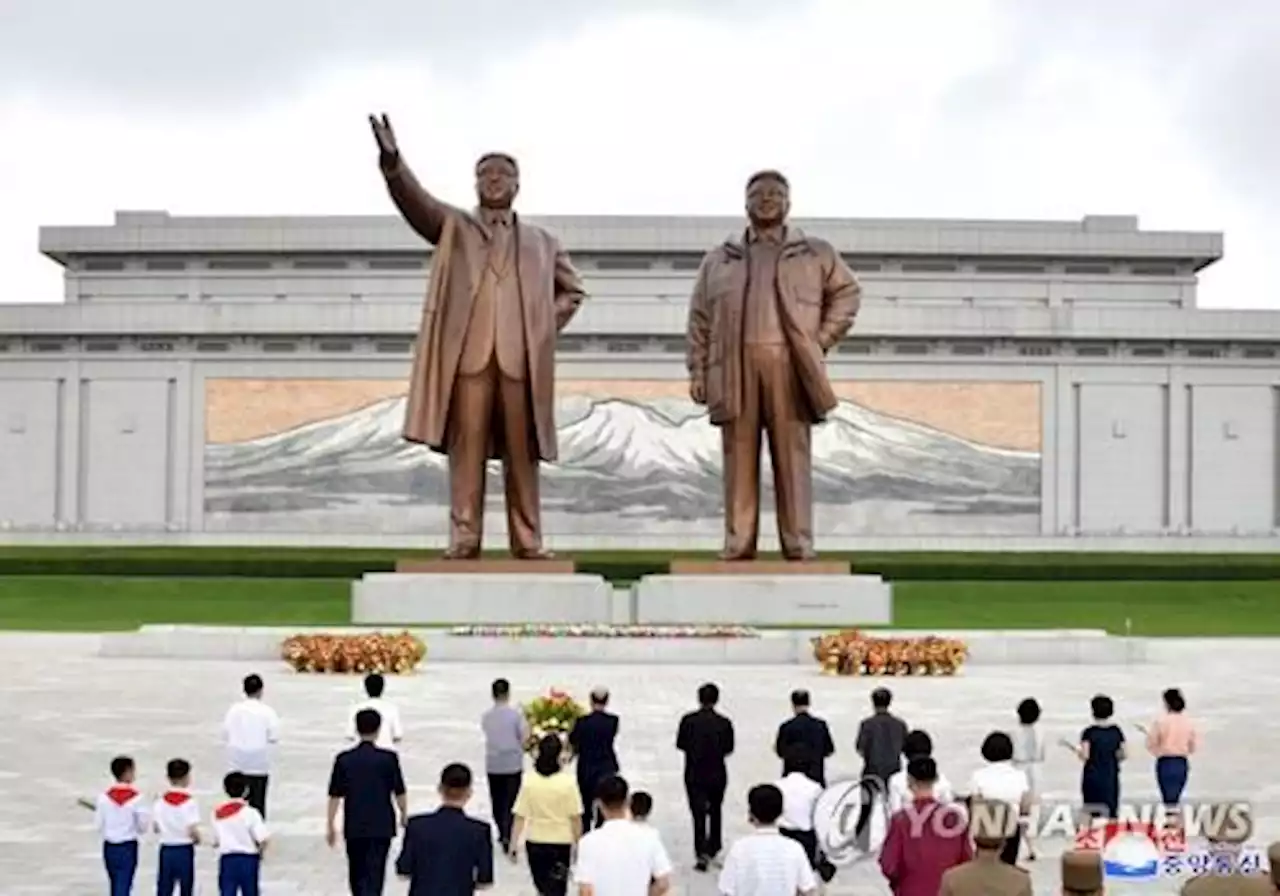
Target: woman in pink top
(1172, 740)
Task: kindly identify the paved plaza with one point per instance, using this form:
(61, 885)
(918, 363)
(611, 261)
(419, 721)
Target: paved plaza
(68, 712)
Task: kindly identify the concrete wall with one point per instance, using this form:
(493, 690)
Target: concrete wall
(1178, 452)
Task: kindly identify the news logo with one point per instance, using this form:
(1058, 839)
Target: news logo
(1152, 842)
(849, 821)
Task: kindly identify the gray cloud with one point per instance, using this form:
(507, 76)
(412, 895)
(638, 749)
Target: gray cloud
(161, 52)
(1216, 65)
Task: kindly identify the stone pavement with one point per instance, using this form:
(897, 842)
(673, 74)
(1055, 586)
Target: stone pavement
(67, 712)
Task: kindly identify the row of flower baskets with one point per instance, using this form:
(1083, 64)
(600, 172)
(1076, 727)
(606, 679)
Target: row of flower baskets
(854, 652)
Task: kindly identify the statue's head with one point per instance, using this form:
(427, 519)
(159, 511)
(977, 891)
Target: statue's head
(768, 199)
(497, 180)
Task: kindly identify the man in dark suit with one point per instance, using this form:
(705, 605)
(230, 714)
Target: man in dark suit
(447, 852)
(706, 739)
(591, 741)
(805, 735)
(367, 783)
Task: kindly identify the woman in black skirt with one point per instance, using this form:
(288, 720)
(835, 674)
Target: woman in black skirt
(1101, 749)
(548, 816)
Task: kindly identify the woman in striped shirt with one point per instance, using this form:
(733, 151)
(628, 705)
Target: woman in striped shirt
(1172, 740)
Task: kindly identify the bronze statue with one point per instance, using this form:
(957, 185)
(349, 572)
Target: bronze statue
(483, 382)
(767, 306)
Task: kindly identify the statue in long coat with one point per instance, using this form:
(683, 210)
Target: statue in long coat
(483, 380)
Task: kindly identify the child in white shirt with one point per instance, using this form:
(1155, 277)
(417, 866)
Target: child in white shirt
(176, 818)
(1029, 755)
(240, 835)
(120, 818)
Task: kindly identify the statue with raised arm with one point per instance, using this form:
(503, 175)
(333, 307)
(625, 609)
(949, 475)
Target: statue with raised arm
(483, 381)
(767, 306)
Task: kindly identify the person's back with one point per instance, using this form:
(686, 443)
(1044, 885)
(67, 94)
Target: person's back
(705, 737)
(548, 804)
(765, 863)
(924, 840)
(504, 732)
(621, 857)
(446, 852)
(250, 728)
(392, 731)
(367, 778)
(985, 874)
(593, 738)
(881, 737)
(805, 734)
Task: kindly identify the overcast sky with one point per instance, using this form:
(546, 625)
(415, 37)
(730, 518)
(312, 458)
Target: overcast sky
(953, 108)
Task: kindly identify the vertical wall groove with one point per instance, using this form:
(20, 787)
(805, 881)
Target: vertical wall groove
(170, 454)
(1166, 460)
(1077, 458)
(83, 449)
(1190, 485)
(59, 451)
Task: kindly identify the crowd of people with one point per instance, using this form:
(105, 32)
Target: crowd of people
(577, 822)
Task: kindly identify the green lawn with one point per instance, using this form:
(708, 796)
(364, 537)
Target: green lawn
(92, 603)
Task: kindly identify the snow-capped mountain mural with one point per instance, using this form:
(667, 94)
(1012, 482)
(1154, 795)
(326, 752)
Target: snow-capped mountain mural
(623, 463)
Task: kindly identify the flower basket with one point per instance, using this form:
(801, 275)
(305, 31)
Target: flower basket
(853, 652)
(553, 713)
(354, 654)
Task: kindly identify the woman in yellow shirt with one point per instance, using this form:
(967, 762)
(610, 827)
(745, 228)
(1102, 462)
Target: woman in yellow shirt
(548, 816)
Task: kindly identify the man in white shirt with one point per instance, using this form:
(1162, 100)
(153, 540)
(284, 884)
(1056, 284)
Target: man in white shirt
(391, 732)
(799, 797)
(251, 727)
(620, 858)
(765, 863)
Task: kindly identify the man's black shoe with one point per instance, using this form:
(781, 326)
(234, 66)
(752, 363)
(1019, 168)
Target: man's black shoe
(701, 864)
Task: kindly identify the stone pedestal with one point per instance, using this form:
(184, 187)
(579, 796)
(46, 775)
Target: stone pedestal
(790, 599)
(486, 565)
(760, 568)
(485, 598)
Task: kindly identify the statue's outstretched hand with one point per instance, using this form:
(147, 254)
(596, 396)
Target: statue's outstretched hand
(698, 391)
(388, 149)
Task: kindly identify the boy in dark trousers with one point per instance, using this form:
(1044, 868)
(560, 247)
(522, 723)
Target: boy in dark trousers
(176, 818)
(119, 816)
(240, 835)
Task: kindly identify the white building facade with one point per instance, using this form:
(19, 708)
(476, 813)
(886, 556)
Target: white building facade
(1007, 385)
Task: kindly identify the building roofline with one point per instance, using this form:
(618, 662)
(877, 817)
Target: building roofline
(400, 319)
(1091, 237)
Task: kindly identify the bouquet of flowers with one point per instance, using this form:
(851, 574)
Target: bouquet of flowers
(354, 654)
(853, 652)
(553, 713)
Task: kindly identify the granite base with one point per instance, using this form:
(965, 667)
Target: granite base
(837, 601)
(469, 598)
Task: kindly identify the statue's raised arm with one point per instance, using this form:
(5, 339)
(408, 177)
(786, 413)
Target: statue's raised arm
(422, 211)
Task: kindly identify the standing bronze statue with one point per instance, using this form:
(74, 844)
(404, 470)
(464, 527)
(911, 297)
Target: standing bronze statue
(483, 381)
(767, 306)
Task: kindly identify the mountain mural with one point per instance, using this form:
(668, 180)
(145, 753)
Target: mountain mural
(623, 462)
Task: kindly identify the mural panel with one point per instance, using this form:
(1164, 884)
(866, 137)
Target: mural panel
(896, 458)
